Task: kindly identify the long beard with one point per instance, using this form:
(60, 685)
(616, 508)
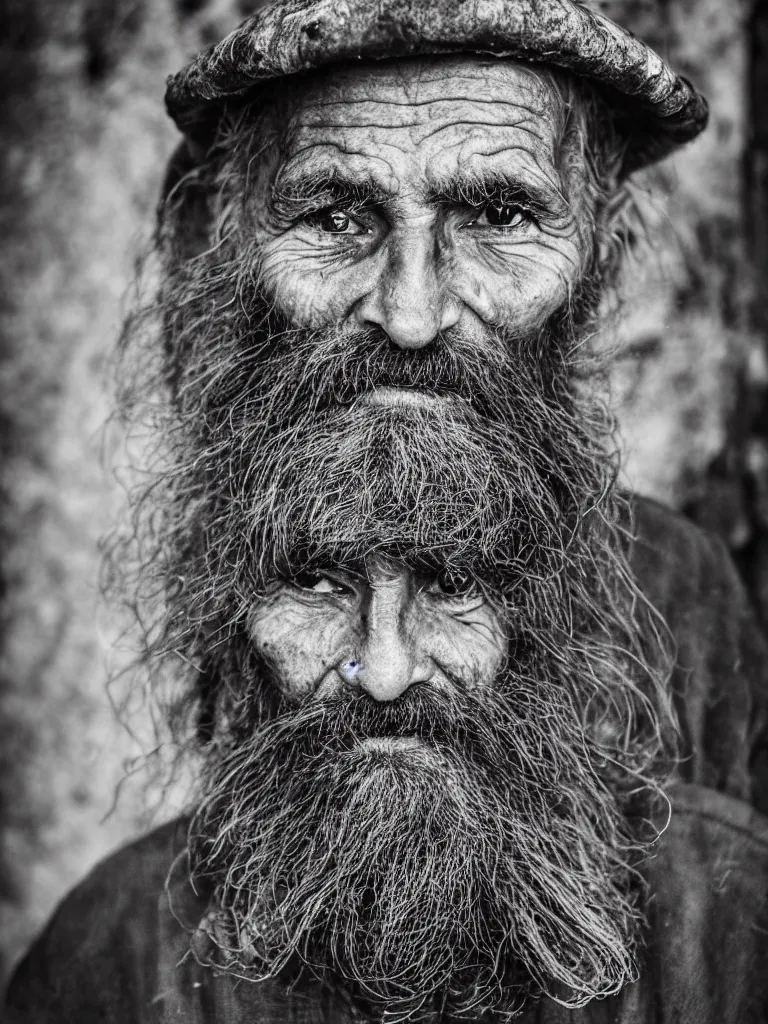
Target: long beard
(482, 864)
(494, 863)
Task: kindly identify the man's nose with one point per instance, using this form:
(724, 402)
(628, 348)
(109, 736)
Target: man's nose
(411, 299)
(390, 656)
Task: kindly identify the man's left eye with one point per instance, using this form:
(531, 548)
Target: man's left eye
(502, 215)
(453, 584)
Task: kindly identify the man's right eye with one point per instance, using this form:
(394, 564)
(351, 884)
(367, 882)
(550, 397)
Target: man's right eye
(336, 222)
(319, 584)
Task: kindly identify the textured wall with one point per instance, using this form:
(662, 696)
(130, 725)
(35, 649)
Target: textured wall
(689, 348)
(85, 142)
(86, 139)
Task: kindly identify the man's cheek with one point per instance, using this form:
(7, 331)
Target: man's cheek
(470, 656)
(313, 285)
(301, 645)
(511, 294)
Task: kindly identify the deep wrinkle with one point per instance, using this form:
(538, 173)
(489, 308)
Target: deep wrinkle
(351, 153)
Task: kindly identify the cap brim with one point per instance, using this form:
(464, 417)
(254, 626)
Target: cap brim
(656, 109)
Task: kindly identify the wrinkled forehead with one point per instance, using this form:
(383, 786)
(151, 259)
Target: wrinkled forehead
(424, 118)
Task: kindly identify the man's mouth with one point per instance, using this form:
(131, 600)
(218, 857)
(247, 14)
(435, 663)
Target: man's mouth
(402, 397)
(391, 744)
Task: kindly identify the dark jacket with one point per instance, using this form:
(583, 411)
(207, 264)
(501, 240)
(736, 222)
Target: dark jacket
(118, 949)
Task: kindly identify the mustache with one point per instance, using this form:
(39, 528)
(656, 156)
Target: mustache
(421, 712)
(337, 726)
(483, 729)
(360, 362)
(314, 370)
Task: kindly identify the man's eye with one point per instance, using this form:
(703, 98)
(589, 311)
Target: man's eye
(502, 215)
(336, 222)
(319, 584)
(453, 583)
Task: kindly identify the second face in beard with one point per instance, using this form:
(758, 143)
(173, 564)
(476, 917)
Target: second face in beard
(379, 632)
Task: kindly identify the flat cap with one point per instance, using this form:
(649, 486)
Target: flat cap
(655, 109)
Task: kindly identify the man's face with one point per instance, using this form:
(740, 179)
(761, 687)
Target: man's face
(387, 536)
(424, 196)
(383, 632)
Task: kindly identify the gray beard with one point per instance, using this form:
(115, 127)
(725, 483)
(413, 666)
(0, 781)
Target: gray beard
(489, 864)
(496, 863)
(282, 472)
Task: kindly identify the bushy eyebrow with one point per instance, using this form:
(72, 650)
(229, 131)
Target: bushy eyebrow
(479, 188)
(296, 195)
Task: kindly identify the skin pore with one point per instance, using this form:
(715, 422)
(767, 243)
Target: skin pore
(415, 207)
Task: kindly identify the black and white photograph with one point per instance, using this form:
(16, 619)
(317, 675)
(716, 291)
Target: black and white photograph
(384, 511)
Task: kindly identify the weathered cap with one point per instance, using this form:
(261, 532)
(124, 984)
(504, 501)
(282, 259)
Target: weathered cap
(656, 109)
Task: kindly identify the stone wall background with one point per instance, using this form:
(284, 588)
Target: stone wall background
(84, 144)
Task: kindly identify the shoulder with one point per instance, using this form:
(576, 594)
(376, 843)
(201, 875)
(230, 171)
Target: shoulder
(90, 964)
(719, 681)
(689, 576)
(708, 912)
(120, 887)
(673, 556)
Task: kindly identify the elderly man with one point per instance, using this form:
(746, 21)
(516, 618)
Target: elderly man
(480, 736)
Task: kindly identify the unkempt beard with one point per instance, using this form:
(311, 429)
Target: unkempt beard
(470, 871)
(495, 862)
